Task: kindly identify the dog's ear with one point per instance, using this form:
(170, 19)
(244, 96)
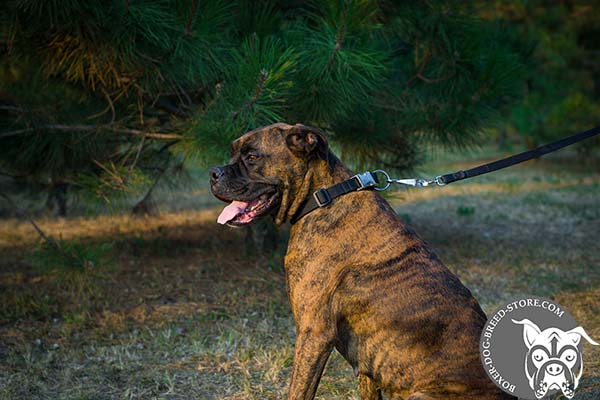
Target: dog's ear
(307, 141)
(576, 334)
(530, 331)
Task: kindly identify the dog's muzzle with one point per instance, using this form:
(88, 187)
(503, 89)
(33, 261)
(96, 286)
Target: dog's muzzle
(554, 375)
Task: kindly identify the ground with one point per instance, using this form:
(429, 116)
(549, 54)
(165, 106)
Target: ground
(176, 307)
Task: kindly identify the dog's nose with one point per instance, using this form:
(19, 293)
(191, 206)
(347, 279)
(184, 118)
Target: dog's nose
(554, 369)
(216, 173)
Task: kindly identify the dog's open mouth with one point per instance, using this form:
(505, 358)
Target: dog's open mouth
(242, 212)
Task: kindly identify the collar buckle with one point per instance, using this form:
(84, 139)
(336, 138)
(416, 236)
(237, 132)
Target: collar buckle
(322, 197)
(366, 180)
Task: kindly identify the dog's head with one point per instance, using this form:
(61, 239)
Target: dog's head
(266, 171)
(553, 360)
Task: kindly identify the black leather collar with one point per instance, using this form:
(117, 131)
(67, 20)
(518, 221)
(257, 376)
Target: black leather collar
(323, 197)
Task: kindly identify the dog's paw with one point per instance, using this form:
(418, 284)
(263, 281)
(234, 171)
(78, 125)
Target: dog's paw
(568, 390)
(541, 390)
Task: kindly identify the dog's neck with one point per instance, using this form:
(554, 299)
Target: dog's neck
(320, 174)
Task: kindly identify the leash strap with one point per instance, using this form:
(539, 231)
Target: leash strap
(517, 158)
(368, 180)
(323, 197)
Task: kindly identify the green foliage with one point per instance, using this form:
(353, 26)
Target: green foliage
(63, 258)
(111, 97)
(465, 72)
(562, 75)
(342, 63)
(70, 271)
(465, 211)
(254, 95)
(113, 181)
(262, 71)
(577, 112)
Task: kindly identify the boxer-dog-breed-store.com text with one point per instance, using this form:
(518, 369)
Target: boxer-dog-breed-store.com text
(358, 279)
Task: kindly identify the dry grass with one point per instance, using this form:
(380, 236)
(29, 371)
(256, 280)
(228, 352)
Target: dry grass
(187, 312)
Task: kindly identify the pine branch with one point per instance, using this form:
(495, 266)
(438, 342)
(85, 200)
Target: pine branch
(14, 109)
(163, 104)
(87, 128)
(424, 63)
(339, 39)
(477, 95)
(435, 80)
(419, 75)
(15, 177)
(139, 151)
(191, 18)
(262, 77)
(111, 105)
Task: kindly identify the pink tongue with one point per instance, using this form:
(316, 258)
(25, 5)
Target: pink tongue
(230, 212)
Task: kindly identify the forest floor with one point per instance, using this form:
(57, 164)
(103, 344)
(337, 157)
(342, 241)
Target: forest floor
(175, 307)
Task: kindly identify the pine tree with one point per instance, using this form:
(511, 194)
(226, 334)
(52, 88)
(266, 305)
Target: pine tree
(561, 70)
(113, 96)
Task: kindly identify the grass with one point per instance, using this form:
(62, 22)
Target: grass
(185, 311)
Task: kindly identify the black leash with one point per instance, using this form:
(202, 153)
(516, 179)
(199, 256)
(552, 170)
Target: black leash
(518, 158)
(369, 180)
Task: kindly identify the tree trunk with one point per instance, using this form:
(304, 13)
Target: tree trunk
(146, 206)
(61, 200)
(57, 198)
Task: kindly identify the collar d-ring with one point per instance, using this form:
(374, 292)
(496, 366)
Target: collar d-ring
(388, 180)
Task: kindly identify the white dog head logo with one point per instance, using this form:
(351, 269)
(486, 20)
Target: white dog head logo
(553, 360)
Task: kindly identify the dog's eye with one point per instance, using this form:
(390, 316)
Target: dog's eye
(538, 355)
(569, 355)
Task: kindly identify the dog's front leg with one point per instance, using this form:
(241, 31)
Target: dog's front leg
(313, 347)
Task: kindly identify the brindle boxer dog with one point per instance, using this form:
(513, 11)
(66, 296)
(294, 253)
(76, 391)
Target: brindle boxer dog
(358, 279)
